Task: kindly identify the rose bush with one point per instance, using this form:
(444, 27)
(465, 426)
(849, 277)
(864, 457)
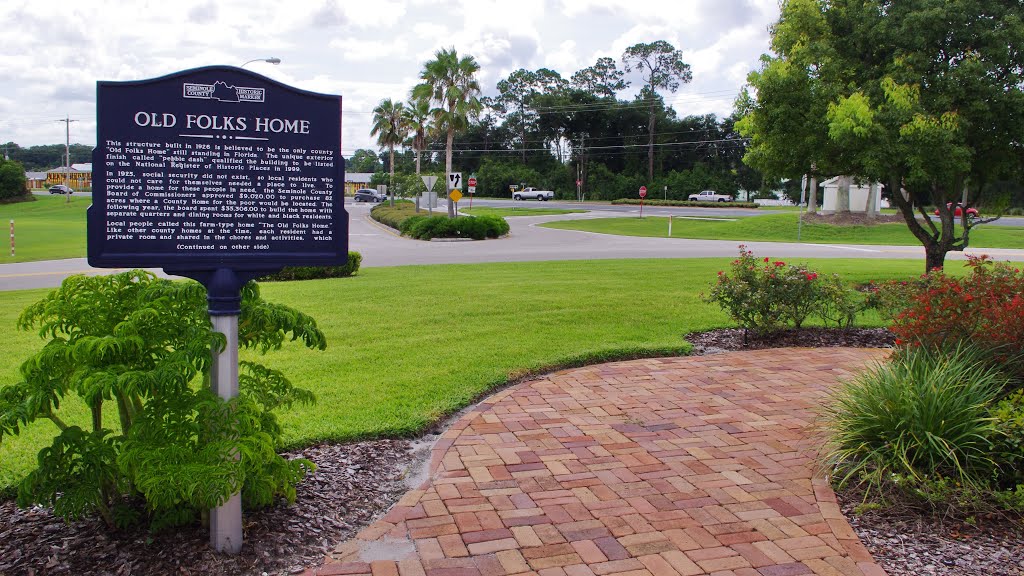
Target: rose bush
(767, 295)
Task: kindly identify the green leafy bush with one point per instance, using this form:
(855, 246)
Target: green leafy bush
(393, 216)
(1009, 443)
(925, 413)
(316, 272)
(143, 345)
(767, 296)
(475, 227)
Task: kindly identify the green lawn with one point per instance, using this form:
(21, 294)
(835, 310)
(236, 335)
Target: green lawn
(506, 212)
(47, 229)
(782, 228)
(410, 344)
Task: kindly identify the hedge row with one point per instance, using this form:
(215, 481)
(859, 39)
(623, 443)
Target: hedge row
(403, 217)
(475, 227)
(636, 201)
(316, 272)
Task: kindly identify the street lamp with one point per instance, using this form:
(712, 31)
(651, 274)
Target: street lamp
(272, 60)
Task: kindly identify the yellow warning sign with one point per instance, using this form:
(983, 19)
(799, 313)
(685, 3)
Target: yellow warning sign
(455, 195)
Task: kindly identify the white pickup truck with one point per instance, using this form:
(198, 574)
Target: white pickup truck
(709, 196)
(533, 193)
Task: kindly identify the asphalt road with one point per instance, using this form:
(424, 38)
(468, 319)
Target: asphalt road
(526, 242)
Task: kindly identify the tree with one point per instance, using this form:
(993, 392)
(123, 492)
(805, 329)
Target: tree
(922, 95)
(417, 123)
(602, 79)
(364, 160)
(516, 95)
(661, 66)
(451, 82)
(390, 128)
(12, 179)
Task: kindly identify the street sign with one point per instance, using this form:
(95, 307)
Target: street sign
(472, 189)
(455, 180)
(643, 191)
(455, 195)
(472, 181)
(428, 181)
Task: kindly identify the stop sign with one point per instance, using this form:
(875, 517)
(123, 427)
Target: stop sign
(472, 181)
(643, 191)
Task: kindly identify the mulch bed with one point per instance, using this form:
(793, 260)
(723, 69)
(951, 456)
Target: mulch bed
(356, 483)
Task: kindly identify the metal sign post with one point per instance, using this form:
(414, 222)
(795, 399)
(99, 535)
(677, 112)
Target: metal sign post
(220, 175)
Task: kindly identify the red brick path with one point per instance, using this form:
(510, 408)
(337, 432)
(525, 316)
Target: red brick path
(659, 467)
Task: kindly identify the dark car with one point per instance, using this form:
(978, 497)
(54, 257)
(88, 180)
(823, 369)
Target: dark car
(367, 195)
(60, 189)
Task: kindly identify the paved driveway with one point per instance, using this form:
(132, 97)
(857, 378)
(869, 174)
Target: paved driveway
(655, 467)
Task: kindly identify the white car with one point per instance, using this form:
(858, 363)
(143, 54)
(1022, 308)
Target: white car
(533, 194)
(709, 196)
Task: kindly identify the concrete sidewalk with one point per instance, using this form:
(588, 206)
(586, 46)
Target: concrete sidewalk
(659, 467)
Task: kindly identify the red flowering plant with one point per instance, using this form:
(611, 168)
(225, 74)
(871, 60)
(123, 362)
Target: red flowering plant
(768, 295)
(985, 308)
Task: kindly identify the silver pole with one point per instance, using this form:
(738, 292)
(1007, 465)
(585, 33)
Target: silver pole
(226, 520)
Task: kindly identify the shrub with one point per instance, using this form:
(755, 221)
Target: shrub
(393, 216)
(767, 296)
(985, 307)
(924, 413)
(143, 346)
(316, 272)
(475, 227)
(1009, 443)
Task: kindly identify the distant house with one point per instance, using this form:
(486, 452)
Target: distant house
(78, 176)
(858, 196)
(35, 180)
(356, 180)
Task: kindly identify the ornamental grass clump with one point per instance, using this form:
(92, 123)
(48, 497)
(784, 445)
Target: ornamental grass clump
(765, 296)
(923, 414)
(136, 350)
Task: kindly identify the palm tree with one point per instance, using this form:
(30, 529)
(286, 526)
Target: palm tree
(417, 123)
(389, 128)
(451, 82)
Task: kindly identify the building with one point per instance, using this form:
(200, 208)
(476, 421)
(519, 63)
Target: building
(35, 180)
(858, 196)
(78, 176)
(356, 180)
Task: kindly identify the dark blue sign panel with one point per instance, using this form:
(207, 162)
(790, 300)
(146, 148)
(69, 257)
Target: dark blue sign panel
(216, 168)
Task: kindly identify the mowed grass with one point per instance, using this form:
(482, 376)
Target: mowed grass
(409, 345)
(782, 228)
(507, 212)
(48, 229)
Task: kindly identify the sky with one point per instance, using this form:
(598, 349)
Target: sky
(365, 51)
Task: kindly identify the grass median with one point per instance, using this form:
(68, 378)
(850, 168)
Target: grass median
(781, 228)
(51, 228)
(430, 339)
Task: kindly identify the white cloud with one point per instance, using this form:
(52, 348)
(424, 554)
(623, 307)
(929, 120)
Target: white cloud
(365, 51)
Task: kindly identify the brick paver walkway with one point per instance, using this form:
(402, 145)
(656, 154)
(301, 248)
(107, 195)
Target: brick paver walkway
(658, 467)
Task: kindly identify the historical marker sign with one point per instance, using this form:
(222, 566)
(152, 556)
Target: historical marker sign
(216, 168)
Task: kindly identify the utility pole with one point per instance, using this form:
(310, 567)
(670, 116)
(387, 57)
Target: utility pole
(67, 152)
